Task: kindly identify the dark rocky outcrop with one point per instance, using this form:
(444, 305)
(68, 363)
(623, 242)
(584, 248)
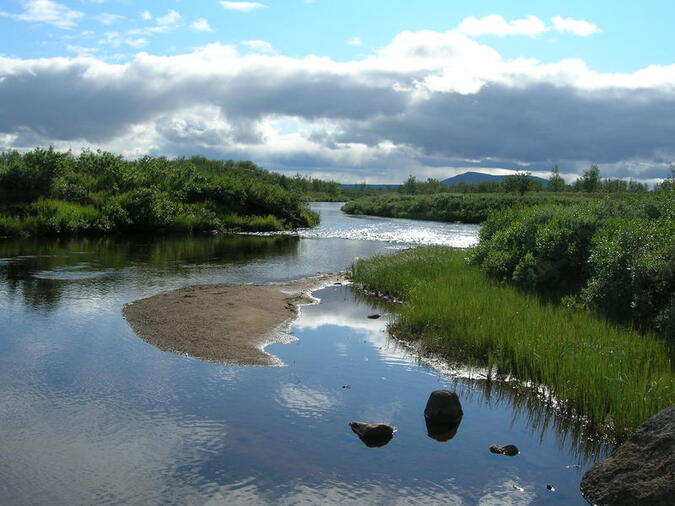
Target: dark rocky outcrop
(510, 450)
(373, 435)
(641, 471)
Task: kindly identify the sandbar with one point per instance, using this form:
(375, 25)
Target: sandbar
(226, 323)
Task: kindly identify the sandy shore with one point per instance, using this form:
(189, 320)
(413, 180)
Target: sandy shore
(228, 324)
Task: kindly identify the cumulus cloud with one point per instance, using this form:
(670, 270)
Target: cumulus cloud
(170, 18)
(428, 103)
(494, 24)
(117, 39)
(242, 6)
(201, 25)
(259, 46)
(574, 26)
(109, 19)
(355, 41)
(46, 11)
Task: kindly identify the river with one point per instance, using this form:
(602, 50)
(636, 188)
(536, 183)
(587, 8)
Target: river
(91, 414)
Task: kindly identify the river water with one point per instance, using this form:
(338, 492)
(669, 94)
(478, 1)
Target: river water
(91, 414)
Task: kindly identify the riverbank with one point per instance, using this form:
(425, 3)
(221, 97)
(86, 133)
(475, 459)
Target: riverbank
(612, 377)
(44, 192)
(227, 323)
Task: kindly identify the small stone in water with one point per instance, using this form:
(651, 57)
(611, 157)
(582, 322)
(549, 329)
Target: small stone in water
(510, 450)
(374, 316)
(346, 387)
(550, 487)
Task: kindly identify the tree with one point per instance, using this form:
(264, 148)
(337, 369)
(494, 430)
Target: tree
(520, 183)
(590, 180)
(410, 186)
(556, 183)
(667, 184)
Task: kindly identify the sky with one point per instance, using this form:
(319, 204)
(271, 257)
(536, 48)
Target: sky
(354, 91)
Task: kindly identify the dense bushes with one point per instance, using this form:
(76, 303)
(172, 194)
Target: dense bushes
(471, 208)
(613, 256)
(46, 192)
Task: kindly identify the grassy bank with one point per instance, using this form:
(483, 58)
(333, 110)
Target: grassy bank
(467, 208)
(45, 192)
(613, 376)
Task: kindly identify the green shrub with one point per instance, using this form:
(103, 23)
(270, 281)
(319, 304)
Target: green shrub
(613, 256)
(148, 194)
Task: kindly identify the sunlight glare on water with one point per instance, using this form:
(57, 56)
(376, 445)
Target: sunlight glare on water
(336, 225)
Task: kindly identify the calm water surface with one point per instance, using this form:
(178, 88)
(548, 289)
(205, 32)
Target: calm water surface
(89, 413)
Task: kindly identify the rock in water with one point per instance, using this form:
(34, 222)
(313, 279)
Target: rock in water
(510, 450)
(641, 471)
(374, 316)
(373, 434)
(443, 407)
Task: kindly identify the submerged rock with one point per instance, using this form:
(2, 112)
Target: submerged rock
(443, 408)
(373, 435)
(373, 316)
(510, 450)
(641, 471)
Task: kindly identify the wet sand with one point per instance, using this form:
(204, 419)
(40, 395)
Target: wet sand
(228, 324)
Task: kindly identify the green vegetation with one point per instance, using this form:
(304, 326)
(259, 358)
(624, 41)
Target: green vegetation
(467, 208)
(45, 192)
(615, 257)
(614, 377)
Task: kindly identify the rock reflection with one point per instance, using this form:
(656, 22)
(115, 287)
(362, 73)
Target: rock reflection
(441, 432)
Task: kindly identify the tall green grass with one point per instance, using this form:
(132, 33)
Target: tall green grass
(615, 378)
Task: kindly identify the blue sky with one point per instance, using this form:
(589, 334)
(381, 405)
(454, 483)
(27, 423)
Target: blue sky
(354, 90)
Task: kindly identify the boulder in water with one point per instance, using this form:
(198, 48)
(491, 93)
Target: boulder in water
(373, 434)
(444, 408)
(510, 450)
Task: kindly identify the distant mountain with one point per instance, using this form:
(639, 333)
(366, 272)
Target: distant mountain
(479, 177)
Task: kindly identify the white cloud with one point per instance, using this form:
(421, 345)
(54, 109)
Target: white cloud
(494, 24)
(242, 6)
(427, 101)
(201, 25)
(170, 21)
(47, 11)
(355, 41)
(117, 39)
(146, 15)
(259, 46)
(81, 51)
(109, 19)
(170, 18)
(574, 26)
